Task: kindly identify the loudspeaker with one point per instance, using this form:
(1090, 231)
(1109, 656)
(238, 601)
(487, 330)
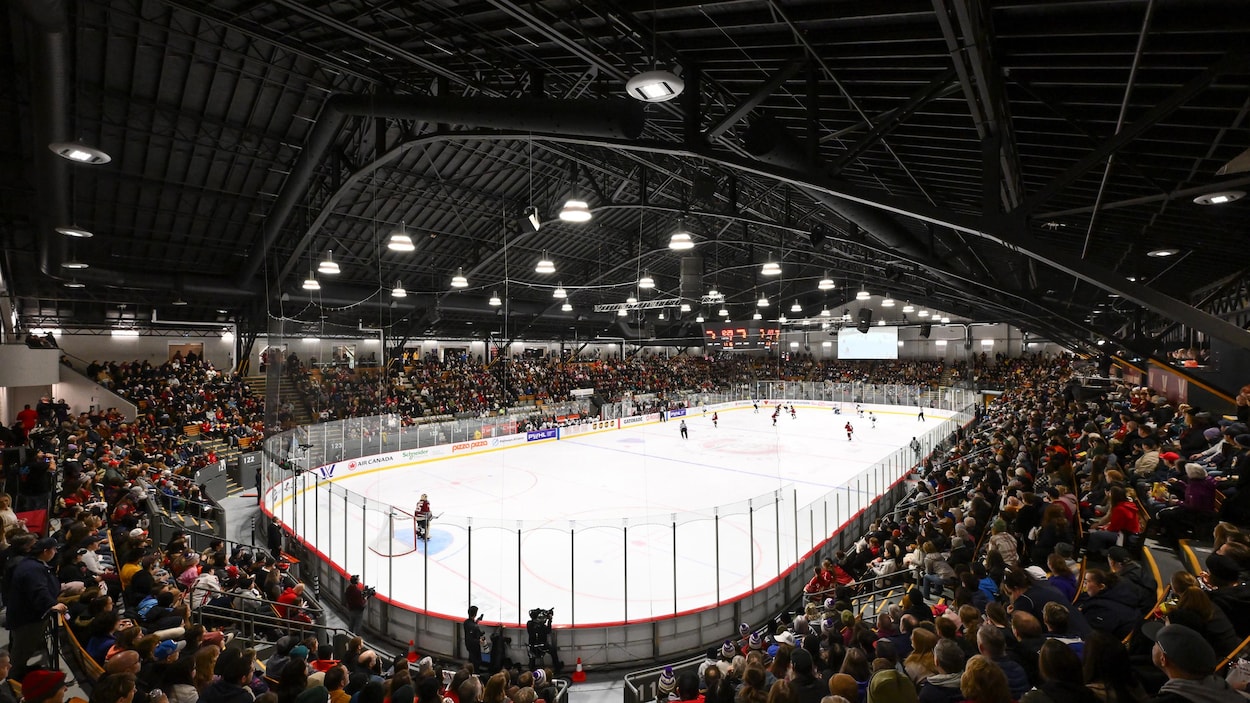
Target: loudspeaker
(703, 188)
(865, 320)
(818, 234)
(925, 329)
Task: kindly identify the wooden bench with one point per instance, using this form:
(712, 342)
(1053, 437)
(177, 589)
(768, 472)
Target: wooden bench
(192, 430)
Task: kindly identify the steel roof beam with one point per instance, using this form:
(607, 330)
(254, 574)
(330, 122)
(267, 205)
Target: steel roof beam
(753, 100)
(940, 86)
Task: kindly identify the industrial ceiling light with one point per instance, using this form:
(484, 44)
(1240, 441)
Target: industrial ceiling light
(311, 283)
(559, 292)
(681, 241)
(544, 265)
(631, 300)
(699, 318)
(179, 302)
(622, 312)
(796, 307)
(567, 306)
(762, 302)
(398, 291)
(75, 264)
(757, 316)
(646, 282)
(458, 280)
(76, 232)
(723, 312)
(75, 284)
(1163, 252)
(880, 323)
(495, 300)
(946, 320)
(782, 319)
(824, 312)
(826, 283)
(532, 219)
(661, 315)
(655, 86)
(1221, 198)
(685, 307)
(908, 308)
(328, 265)
(923, 313)
(714, 294)
(863, 293)
(887, 301)
(80, 153)
(575, 210)
(400, 241)
(770, 267)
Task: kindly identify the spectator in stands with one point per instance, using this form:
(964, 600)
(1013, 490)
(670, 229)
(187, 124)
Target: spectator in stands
(1121, 519)
(1141, 582)
(1062, 680)
(1108, 671)
(31, 596)
(1062, 576)
(117, 688)
(993, 650)
(43, 686)
(1109, 603)
(919, 665)
(236, 674)
(983, 682)
(1228, 591)
(1197, 506)
(1031, 596)
(8, 692)
(1194, 610)
(1055, 617)
(1189, 662)
(943, 685)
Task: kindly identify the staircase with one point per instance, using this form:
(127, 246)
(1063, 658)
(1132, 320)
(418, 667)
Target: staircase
(286, 392)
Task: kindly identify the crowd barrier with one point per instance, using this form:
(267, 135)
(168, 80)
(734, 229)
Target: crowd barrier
(343, 533)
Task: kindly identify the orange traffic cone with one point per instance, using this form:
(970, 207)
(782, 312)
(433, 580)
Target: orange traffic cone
(579, 676)
(412, 652)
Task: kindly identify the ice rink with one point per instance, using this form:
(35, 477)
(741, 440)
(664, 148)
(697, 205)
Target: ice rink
(612, 526)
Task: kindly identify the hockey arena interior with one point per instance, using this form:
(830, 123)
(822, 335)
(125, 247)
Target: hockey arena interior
(744, 351)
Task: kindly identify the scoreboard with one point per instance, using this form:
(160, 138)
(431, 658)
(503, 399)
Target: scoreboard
(740, 337)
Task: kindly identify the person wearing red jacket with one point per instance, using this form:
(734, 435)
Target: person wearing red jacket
(1122, 518)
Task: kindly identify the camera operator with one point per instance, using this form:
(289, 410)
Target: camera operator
(540, 640)
(355, 599)
(473, 638)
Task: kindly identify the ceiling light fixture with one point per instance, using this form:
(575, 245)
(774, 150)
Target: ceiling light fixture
(80, 153)
(757, 316)
(723, 312)
(826, 283)
(685, 307)
(311, 283)
(575, 210)
(762, 302)
(400, 241)
(631, 300)
(1163, 252)
(681, 239)
(179, 302)
(622, 312)
(880, 323)
(544, 265)
(494, 300)
(863, 293)
(646, 282)
(770, 267)
(714, 294)
(75, 284)
(458, 280)
(76, 232)
(328, 265)
(655, 86)
(796, 307)
(75, 265)
(398, 291)
(923, 313)
(699, 318)
(559, 292)
(824, 312)
(946, 320)
(887, 301)
(567, 306)
(908, 308)
(781, 319)
(1220, 198)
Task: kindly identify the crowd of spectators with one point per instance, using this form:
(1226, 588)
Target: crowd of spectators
(461, 385)
(1011, 592)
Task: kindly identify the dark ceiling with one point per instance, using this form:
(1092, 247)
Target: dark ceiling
(1000, 161)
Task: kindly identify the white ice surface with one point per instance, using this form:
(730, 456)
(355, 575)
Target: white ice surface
(596, 512)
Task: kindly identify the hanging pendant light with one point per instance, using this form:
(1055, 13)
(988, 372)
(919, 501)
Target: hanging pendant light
(494, 299)
(631, 300)
(567, 306)
(544, 265)
(685, 307)
(796, 307)
(770, 267)
(646, 282)
(908, 308)
(398, 291)
(826, 283)
(458, 280)
(887, 301)
(757, 316)
(699, 318)
(328, 265)
(824, 312)
(575, 210)
(559, 292)
(681, 239)
(923, 313)
(622, 312)
(400, 241)
(762, 302)
(863, 293)
(714, 294)
(76, 232)
(723, 312)
(311, 283)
